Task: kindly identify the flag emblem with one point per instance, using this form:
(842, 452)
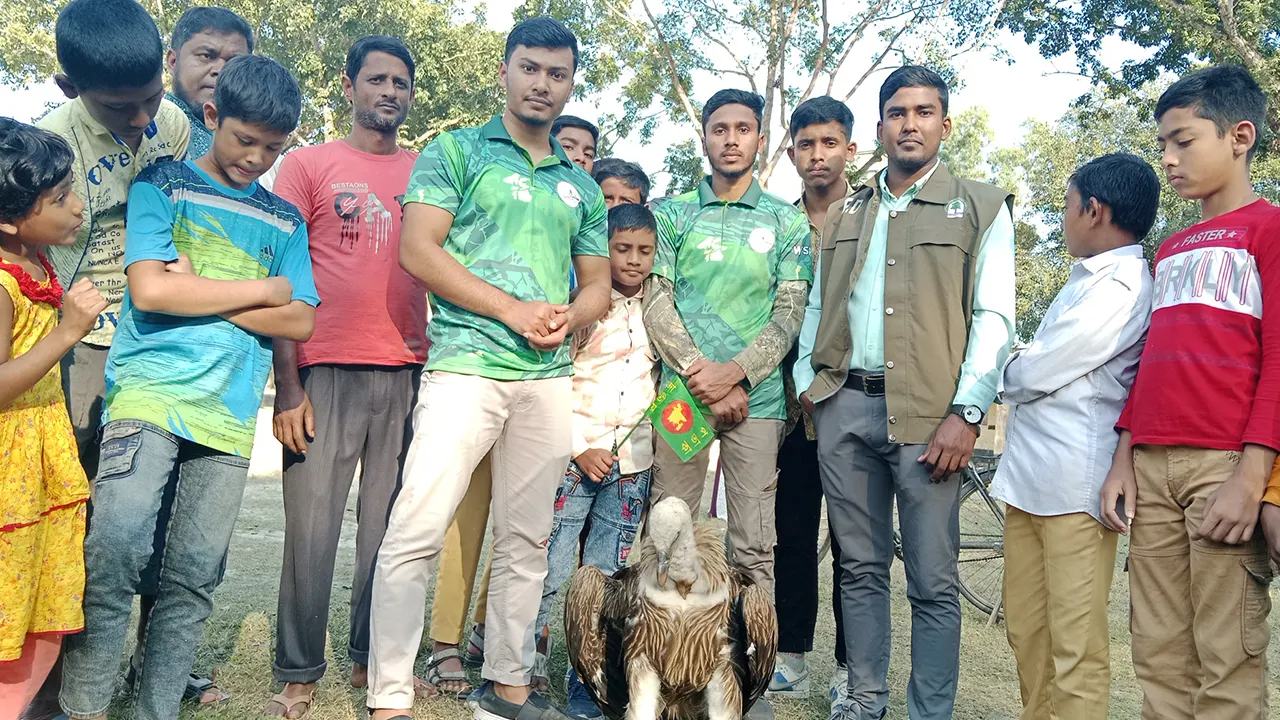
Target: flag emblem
(677, 417)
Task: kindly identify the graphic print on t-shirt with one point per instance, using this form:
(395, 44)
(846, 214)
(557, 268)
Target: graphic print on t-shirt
(364, 216)
(1205, 269)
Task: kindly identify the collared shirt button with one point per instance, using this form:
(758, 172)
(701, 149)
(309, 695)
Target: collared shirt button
(892, 261)
(889, 364)
(888, 311)
(893, 213)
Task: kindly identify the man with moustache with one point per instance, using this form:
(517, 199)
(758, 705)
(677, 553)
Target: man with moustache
(723, 306)
(203, 40)
(345, 396)
(821, 149)
(494, 215)
(908, 325)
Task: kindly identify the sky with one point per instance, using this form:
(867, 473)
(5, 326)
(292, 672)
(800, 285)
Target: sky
(1032, 87)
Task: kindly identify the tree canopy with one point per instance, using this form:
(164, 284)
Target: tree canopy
(457, 55)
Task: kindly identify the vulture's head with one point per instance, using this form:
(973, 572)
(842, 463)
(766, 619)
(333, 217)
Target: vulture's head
(671, 529)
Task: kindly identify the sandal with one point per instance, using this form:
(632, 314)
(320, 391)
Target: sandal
(289, 703)
(202, 689)
(541, 680)
(474, 655)
(437, 677)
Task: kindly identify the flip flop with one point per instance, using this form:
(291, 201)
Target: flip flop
(289, 703)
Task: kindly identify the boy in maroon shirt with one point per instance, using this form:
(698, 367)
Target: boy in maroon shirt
(1199, 434)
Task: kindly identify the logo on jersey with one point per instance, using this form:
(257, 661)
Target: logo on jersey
(569, 194)
(761, 240)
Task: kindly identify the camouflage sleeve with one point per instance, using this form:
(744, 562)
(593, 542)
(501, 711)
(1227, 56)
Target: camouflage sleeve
(764, 353)
(665, 328)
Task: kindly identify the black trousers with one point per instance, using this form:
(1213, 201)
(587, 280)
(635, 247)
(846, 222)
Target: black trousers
(795, 557)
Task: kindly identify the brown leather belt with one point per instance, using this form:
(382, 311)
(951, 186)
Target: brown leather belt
(872, 385)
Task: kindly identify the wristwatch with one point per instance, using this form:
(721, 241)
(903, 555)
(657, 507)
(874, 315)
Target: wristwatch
(971, 414)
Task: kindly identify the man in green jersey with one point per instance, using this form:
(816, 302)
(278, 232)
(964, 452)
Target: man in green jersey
(493, 216)
(723, 307)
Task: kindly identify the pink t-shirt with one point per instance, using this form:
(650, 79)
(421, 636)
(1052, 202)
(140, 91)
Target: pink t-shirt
(371, 311)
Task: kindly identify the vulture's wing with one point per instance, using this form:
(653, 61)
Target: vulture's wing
(596, 610)
(753, 633)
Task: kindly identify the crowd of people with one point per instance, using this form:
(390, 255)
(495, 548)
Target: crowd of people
(160, 258)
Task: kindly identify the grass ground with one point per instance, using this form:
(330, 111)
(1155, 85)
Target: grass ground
(238, 639)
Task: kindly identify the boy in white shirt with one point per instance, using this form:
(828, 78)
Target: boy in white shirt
(1065, 394)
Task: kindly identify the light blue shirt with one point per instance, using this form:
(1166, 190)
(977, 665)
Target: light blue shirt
(994, 306)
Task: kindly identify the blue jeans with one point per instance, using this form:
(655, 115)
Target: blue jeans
(138, 460)
(614, 506)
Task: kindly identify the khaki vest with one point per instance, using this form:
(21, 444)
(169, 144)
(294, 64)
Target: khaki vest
(928, 295)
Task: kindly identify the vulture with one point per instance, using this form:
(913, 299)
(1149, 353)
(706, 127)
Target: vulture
(679, 634)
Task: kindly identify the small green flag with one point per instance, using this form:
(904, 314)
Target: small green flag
(676, 417)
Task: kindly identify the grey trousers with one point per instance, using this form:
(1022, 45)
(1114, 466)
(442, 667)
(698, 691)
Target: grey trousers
(749, 455)
(862, 473)
(84, 384)
(361, 414)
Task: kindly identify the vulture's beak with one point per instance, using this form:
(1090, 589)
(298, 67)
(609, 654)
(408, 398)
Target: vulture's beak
(664, 563)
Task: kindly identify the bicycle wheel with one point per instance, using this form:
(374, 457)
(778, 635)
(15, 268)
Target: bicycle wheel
(981, 546)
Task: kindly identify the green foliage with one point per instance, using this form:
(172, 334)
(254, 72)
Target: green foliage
(1176, 35)
(457, 54)
(683, 167)
(648, 52)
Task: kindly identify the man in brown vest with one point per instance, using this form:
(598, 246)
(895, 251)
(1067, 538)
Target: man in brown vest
(909, 321)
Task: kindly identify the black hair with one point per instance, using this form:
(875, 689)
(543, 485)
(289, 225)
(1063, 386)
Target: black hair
(914, 76)
(734, 97)
(393, 46)
(1224, 94)
(1125, 183)
(630, 216)
(541, 32)
(573, 121)
(631, 175)
(108, 44)
(266, 94)
(821, 110)
(32, 162)
(216, 20)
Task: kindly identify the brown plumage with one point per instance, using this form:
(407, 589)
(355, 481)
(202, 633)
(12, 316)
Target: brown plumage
(679, 634)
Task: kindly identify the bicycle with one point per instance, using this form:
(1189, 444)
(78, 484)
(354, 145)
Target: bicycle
(981, 538)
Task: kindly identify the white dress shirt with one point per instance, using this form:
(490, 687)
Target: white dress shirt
(1067, 389)
(613, 385)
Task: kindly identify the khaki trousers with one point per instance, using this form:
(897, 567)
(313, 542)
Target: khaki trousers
(1057, 576)
(1199, 609)
(749, 454)
(459, 419)
(456, 575)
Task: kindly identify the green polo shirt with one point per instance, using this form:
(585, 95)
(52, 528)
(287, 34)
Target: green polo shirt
(516, 226)
(725, 260)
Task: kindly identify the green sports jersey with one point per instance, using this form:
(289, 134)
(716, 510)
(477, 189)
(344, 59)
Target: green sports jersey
(515, 226)
(725, 260)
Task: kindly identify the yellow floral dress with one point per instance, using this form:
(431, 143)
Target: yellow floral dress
(43, 489)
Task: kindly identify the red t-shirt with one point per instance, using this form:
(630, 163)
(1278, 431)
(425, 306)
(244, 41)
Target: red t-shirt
(371, 311)
(1210, 372)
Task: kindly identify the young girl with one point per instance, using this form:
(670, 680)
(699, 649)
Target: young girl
(42, 486)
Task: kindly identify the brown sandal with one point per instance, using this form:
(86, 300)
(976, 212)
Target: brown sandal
(289, 703)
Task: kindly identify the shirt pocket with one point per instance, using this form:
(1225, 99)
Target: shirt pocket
(939, 263)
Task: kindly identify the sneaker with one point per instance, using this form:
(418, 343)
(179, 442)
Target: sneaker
(492, 707)
(839, 691)
(473, 700)
(790, 677)
(579, 705)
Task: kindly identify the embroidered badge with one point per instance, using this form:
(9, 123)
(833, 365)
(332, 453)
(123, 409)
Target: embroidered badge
(853, 204)
(955, 209)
